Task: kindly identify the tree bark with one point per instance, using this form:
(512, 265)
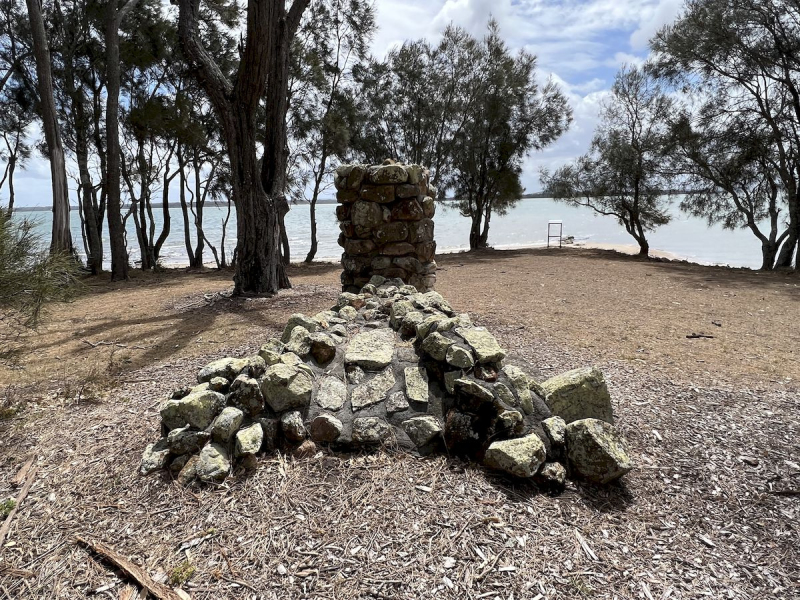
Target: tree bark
(116, 228)
(61, 240)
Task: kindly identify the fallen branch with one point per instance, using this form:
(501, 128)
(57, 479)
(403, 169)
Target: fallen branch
(160, 591)
(117, 344)
(18, 501)
(697, 336)
(784, 492)
(23, 472)
(5, 570)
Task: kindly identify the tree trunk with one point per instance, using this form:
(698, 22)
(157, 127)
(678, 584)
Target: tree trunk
(787, 252)
(12, 163)
(61, 240)
(116, 228)
(475, 227)
(484, 242)
(312, 252)
(187, 240)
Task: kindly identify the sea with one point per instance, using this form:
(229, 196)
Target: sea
(524, 226)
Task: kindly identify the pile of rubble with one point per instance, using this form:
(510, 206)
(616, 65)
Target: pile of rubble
(389, 366)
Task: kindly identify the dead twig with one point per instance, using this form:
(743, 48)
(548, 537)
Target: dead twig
(160, 591)
(22, 473)
(17, 502)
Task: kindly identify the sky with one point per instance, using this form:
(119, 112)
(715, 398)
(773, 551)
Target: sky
(579, 43)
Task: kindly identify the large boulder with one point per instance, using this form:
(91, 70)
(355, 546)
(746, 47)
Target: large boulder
(197, 410)
(579, 394)
(520, 457)
(597, 451)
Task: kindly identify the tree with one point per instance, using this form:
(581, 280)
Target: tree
(747, 51)
(728, 165)
(509, 115)
(17, 115)
(622, 175)
(115, 15)
(61, 239)
(259, 197)
(332, 40)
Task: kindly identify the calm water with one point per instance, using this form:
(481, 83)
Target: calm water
(525, 225)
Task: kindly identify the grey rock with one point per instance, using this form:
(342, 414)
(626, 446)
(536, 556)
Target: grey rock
(519, 380)
(213, 464)
(185, 440)
(298, 320)
(323, 348)
(436, 345)
(511, 421)
(292, 426)
(373, 390)
(553, 474)
(416, 379)
(197, 409)
(459, 357)
(249, 440)
(579, 394)
(450, 378)
(520, 457)
(483, 343)
(371, 350)
(155, 457)
(348, 313)
(505, 394)
(597, 451)
(219, 384)
(422, 430)
(474, 389)
(286, 386)
(188, 472)
(396, 402)
(227, 368)
(246, 395)
(270, 428)
(225, 425)
(370, 430)
(332, 393)
(299, 341)
(555, 428)
(325, 428)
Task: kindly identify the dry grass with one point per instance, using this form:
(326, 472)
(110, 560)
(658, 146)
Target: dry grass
(699, 517)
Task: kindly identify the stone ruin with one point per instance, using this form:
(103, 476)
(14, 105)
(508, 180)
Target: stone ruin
(385, 214)
(389, 366)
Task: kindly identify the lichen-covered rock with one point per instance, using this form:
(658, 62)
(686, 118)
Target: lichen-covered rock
(332, 393)
(299, 341)
(555, 428)
(372, 350)
(226, 424)
(422, 430)
(197, 410)
(249, 440)
(459, 357)
(213, 464)
(436, 346)
(370, 430)
(484, 344)
(396, 402)
(323, 348)
(372, 390)
(298, 320)
(155, 457)
(185, 440)
(246, 395)
(579, 394)
(227, 368)
(553, 475)
(219, 384)
(474, 389)
(597, 451)
(520, 457)
(510, 421)
(292, 426)
(519, 379)
(286, 386)
(325, 428)
(385, 174)
(271, 352)
(188, 472)
(416, 379)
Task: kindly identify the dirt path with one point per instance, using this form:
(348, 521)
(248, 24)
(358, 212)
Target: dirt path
(712, 421)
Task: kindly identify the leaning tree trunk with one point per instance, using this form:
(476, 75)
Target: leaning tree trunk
(475, 227)
(787, 252)
(61, 240)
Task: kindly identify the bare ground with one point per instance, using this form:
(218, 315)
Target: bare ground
(711, 511)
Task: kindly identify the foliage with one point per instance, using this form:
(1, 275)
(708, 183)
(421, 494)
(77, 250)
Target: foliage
(739, 59)
(623, 175)
(30, 279)
(6, 506)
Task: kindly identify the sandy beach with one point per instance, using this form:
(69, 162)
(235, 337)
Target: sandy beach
(709, 510)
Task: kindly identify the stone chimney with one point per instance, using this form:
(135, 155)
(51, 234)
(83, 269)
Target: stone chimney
(385, 214)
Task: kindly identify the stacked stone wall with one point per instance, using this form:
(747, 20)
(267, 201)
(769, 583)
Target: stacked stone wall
(385, 215)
